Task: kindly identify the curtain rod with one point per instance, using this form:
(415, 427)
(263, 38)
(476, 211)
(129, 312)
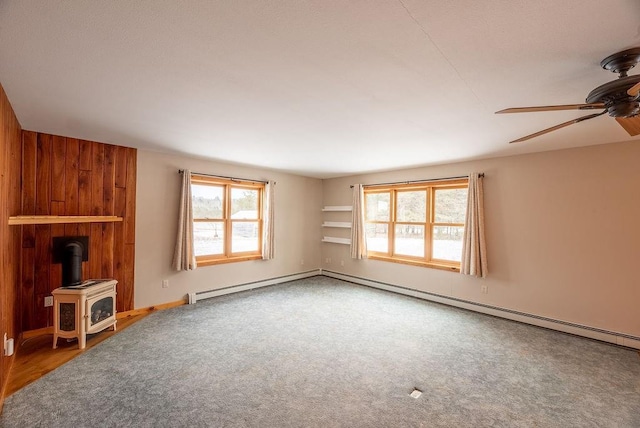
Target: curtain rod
(180, 171)
(420, 181)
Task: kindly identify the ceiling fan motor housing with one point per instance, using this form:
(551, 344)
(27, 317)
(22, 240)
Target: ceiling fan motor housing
(614, 94)
(615, 98)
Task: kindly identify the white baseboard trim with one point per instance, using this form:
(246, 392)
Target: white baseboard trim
(550, 323)
(201, 295)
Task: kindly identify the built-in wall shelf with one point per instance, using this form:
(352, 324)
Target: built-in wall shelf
(334, 240)
(344, 224)
(337, 208)
(58, 219)
(337, 224)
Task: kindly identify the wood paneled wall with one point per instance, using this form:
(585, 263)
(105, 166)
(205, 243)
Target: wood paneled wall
(67, 176)
(9, 235)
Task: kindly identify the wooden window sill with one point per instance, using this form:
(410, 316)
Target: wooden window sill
(453, 267)
(210, 262)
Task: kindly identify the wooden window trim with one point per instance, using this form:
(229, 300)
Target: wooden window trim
(429, 223)
(227, 222)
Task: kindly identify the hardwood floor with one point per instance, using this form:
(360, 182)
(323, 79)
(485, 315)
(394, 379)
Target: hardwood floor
(35, 356)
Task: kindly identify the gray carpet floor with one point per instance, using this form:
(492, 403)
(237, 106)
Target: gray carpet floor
(325, 353)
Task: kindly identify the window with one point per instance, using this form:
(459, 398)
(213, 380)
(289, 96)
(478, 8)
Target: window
(227, 219)
(420, 224)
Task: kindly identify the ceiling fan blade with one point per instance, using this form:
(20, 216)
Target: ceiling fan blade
(634, 90)
(630, 124)
(554, 128)
(553, 108)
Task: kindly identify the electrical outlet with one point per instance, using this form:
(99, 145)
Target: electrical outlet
(165, 283)
(48, 301)
(301, 261)
(327, 260)
(484, 289)
(341, 262)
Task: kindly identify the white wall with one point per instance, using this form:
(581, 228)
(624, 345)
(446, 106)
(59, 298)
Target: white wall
(298, 203)
(562, 230)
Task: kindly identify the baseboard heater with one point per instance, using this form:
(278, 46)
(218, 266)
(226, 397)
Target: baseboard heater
(201, 295)
(550, 323)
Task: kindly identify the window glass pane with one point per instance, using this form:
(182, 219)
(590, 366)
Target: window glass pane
(451, 205)
(377, 206)
(244, 203)
(377, 237)
(244, 236)
(207, 201)
(412, 206)
(409, 240)
(208, 238)
(447, 243)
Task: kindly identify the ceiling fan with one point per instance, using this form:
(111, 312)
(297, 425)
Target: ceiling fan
(620, 98)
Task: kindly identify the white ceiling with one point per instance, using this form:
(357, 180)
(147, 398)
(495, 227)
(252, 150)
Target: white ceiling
(322, 88)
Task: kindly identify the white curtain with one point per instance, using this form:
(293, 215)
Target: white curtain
(358, 233)
(184, 257)
(474, 248)
(268, 248)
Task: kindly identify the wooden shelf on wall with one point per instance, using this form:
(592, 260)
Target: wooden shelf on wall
(337, 208)
(61, 219)
(342, 224)
(334, 240)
